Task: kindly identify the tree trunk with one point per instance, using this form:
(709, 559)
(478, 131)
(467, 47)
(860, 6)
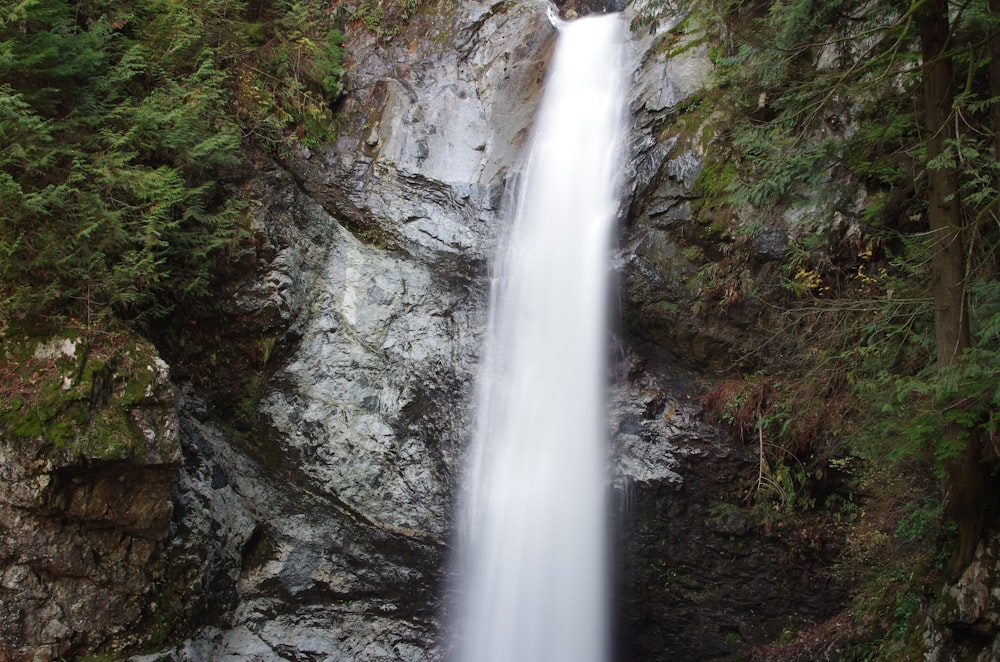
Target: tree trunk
(964, 480)
(995, 80)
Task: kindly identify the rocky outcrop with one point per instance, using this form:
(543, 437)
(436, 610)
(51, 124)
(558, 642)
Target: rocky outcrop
(962, 623)
(281, 572)
(434, 127)
(87, 458)
(672, 256)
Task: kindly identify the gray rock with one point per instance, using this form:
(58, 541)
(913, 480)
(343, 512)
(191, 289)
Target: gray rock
(670, 76)
(443, 131)
(771, 243)
(285, 572)
(962, 623)
(382, 339)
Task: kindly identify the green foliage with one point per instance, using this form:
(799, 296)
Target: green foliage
(963, 396)
(113, 165)
(906, 608)
(384, 18)
(650, 13)
(829, 90)
(826, 91)
(802, 80)
(827, 122)
(775, 165)
(920, 520)
(122, 140)
(286, 86)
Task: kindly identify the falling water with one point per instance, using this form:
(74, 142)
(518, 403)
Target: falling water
(533, 531)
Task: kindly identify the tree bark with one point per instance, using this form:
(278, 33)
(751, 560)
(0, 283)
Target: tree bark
(995, 83)
(964, 480)
(995, 80)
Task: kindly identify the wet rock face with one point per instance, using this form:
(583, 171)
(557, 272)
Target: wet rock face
(373, 403)
(321, 528)
(433, 130)
(371, 406)
(281, 572)
(664, 244)
(79, 562)
(574, 8)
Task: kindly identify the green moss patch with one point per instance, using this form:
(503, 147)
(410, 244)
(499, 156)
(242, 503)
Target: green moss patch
(77, 393)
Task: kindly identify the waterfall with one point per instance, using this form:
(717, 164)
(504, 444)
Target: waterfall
(532, 533)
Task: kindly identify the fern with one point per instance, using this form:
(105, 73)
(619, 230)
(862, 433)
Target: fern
(110, 160)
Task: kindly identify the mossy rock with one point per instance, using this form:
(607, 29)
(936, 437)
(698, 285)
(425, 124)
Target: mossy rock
(77, 394)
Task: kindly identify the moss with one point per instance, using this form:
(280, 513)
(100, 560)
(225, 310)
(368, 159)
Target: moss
(668, 307)
(368, 232)
(714, 181)
(384, 19)
(140, 379)
(110, 436)
(165, 615)
(77, 395)
(443, 22)
(28, 425)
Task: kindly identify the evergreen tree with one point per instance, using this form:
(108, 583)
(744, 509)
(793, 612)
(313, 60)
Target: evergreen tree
(121, 143)
(111, 161)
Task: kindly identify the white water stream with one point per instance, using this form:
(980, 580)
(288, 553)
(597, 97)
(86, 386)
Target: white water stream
(533, 527)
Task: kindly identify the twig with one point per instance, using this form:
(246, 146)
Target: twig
(760, 468)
